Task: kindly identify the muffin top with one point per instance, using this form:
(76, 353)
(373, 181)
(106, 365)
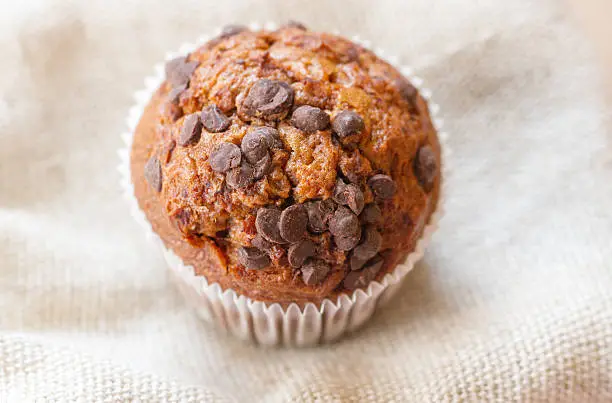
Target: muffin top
(295, 153)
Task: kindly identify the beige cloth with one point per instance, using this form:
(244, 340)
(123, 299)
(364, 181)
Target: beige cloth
(511, 303)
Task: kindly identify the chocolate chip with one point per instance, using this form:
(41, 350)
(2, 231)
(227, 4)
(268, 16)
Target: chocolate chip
(231, 30)
(315, 271)
(253, 258)
(370, 244)
(361, 278)
(371, 214)
(241, 176)
(253, 140)
(174, 95)
(182, 219)
(349, 195)
(382, 185)
(347, 123)
(356, 263)
(272, 136)
(174, 64)
(295, 24)
(344, 226)
(339, 195)
(327, 206)
(153, 173)
(375, 264)
(262, 167)
(319, 213)
(191, 130)
(346, 243)
(167, 151)
(179, 71)
(407, 90)
(352, 176)
(268, 99)
(310, 119)
(426, 167)
(266, 224)
(260, 243)
(255, 145)
(352, 54)
(354, 198)
(225, 157)
(293, 223)
(214, 120)
(299, 252)
(344, 223)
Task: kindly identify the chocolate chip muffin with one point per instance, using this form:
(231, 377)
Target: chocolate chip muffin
(286, 165)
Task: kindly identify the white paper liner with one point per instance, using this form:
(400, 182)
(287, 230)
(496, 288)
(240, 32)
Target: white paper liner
(270, 324)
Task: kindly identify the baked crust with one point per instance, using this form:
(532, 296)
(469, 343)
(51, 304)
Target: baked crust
(205, 223)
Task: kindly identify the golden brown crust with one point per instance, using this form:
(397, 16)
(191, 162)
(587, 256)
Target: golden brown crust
(325, 71)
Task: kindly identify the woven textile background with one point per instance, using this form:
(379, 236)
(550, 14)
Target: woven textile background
(512, 302)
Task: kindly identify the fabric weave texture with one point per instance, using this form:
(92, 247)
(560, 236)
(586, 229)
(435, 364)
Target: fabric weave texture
(511, 302)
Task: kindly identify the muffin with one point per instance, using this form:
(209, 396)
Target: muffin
(288, 166)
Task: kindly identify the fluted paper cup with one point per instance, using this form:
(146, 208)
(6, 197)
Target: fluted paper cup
(270, 323)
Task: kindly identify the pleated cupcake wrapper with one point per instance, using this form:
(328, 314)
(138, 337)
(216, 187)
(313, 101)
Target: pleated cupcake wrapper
(264, 323)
